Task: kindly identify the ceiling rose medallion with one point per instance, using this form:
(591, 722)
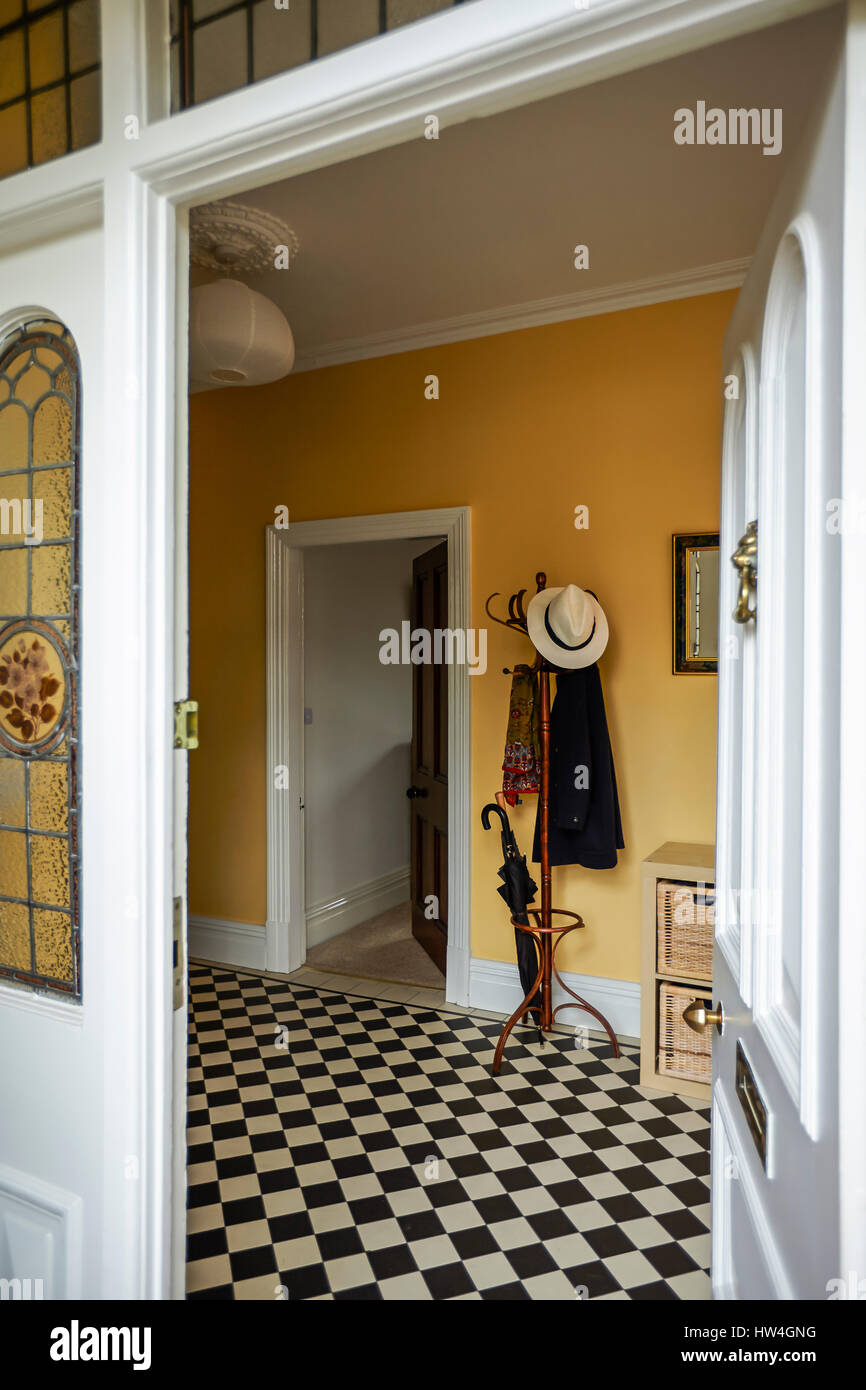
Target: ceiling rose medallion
(230, 237)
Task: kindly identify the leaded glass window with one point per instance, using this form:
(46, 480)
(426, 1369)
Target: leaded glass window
(50, 101)
(40, 838)
(221, 45)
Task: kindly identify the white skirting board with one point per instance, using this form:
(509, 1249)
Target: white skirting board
(245, 943)
(234, 943)
(359, 904)
(495, 985)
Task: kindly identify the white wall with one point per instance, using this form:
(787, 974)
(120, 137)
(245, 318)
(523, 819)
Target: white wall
(356, 751)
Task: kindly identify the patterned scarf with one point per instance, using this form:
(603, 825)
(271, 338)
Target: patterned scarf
(521, 768)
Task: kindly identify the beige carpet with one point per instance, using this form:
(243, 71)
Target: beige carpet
(381, 949)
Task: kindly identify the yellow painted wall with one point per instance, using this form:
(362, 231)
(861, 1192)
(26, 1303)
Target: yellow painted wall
(621, 413)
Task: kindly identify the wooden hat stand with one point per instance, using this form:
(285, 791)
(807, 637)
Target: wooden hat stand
(546, 934)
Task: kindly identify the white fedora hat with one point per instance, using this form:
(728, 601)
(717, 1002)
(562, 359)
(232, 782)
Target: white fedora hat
(567, 626)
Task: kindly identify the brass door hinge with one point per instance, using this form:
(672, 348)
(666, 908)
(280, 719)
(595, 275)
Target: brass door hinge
(186, 724)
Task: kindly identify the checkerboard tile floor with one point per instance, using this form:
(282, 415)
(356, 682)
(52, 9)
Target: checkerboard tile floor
(353, 1148)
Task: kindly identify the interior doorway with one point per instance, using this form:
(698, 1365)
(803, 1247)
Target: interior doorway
(298, 917)
(375, 763)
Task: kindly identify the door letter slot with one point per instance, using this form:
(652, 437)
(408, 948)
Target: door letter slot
(753, 1105)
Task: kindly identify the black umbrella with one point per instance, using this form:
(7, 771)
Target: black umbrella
(518, 888)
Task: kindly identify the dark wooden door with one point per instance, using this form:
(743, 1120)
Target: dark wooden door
(428, 793)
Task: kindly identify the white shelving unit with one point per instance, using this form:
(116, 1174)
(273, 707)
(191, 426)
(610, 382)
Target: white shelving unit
(691, 865)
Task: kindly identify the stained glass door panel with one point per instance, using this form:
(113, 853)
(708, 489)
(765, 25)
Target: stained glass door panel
(39, 673)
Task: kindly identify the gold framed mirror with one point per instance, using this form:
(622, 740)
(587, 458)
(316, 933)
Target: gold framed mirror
(696, 604)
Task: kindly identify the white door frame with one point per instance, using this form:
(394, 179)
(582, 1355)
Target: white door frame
(286, 945)
(474, 60)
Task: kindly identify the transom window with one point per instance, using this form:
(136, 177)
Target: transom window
(221, 45)
(49, 80)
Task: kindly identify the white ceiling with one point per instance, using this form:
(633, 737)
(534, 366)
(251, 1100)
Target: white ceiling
(488, 215)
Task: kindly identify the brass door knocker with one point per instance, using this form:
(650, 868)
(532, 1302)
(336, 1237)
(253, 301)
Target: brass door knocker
(745, 561)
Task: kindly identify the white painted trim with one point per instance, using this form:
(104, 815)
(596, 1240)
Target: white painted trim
(42, 1005)
(736, 713)
(156, 81)
(384, 526)
(54, 1217)
(243, 944)
(495, 985)
(728, 926)
(610, 299)
(286, 950)
(285, 725)
(820, 591)
(721, 1231)
(734, 1161)
(177, 1216)
(851, 801)
(749, 685)
(792, 1037)
(137, 571)
(332, 916)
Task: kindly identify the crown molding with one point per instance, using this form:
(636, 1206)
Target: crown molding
(655, 289)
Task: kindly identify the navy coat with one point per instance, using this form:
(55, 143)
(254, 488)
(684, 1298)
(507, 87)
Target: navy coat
(584, 825)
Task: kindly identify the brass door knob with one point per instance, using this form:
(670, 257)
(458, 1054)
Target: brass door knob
(699, 1017)
(745, 562)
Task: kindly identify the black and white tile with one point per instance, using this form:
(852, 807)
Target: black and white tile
(353, 1148)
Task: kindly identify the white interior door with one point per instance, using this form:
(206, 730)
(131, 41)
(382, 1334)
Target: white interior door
(778, 1184)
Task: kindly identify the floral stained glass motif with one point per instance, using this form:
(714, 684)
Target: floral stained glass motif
(40, 841)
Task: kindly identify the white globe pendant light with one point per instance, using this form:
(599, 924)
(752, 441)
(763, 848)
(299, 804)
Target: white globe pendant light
(237, 337)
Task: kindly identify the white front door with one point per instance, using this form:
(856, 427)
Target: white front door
(86, 1082)
(54, 1081)
(779, 1186)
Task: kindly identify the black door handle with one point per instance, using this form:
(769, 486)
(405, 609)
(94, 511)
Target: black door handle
(412, 792)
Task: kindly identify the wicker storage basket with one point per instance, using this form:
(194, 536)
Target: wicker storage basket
(685, 916)
(682, 1052)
